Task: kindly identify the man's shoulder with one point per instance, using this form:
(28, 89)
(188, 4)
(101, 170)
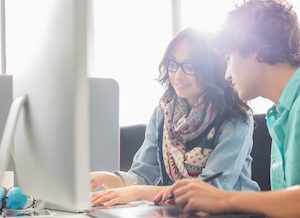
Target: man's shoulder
(296, 103)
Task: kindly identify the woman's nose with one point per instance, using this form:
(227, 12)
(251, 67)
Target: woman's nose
(179, 74)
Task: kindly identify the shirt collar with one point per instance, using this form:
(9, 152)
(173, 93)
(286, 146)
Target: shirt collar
(289, 93)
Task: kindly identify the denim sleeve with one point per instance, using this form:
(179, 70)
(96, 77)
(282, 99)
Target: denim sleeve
(145, 167)
(232, 156)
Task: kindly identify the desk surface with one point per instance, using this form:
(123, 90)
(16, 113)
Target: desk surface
(144, 212)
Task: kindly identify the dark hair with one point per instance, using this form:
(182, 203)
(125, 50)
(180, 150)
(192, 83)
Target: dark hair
(209, 67)
(269, 28)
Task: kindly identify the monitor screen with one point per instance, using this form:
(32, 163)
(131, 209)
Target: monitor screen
(104, 124)
(46, 53)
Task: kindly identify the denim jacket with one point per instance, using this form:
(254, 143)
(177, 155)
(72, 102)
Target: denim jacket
(231, 155)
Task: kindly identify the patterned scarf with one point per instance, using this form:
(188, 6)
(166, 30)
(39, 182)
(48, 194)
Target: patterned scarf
(182, 124)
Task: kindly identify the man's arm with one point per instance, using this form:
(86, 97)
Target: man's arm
(195, 195)
(284, 203)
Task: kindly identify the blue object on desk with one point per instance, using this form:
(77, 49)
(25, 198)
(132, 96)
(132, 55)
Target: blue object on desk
(13, 198)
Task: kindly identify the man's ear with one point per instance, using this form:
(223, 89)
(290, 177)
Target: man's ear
(254, 55)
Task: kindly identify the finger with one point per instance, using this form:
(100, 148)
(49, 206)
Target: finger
(157, 199)
(179, 184)
(183, 198)
(167, 195)
(104, 199)
(191, 186)
(97, 195)
(182, 190)
(94, 184)
(113, 201)
(169, 202)
(191, 206)
(189, 203)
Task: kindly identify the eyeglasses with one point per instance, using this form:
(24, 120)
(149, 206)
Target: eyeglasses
(187, 67)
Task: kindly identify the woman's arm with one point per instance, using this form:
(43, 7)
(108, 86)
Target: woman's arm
(145, 167)
(127, 194)
(232, 156)
(104, 179)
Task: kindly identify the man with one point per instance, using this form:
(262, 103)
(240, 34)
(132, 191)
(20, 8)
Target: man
(262, 41)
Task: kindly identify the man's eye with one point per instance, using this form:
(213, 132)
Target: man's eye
(189, 66)
(173, 64)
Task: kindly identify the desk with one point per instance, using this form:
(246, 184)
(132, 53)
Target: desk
(144, 212)
(60, 214)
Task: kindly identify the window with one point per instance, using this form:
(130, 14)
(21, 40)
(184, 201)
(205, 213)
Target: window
(129, 41)
(207, 16)
(2, 37)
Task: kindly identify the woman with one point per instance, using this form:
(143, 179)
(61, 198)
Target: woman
(199, 128)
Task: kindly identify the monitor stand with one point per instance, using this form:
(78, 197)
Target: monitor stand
(8, 133)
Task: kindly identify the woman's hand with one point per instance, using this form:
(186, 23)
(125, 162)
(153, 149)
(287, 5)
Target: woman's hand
(104, 179)
(195, 195)
(115, 196)
(163, 197)
(127, 194)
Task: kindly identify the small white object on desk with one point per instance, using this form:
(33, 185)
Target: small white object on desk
(8, 179)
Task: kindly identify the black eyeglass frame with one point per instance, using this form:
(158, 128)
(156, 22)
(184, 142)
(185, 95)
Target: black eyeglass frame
(182, 65)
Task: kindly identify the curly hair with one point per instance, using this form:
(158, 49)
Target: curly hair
(209, 67)
(268, 28)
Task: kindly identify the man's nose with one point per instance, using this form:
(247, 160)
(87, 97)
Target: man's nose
(228, 74)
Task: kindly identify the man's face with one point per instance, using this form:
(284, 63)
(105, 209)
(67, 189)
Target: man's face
(244, 74)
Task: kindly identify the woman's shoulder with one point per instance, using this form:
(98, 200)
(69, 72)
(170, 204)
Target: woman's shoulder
(236, 122)
(156, 118)
(157, 113)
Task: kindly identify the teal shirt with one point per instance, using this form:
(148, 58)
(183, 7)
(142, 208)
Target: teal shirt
(283, 122)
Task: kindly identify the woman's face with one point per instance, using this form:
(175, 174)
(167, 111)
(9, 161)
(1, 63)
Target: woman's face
(183, 79)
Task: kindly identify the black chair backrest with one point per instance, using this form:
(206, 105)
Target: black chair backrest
(261, 152)
(131, 139)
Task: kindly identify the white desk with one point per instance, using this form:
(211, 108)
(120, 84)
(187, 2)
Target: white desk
(60, 214)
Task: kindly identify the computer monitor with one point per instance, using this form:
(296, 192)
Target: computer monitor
(47, 55)
(104, 124)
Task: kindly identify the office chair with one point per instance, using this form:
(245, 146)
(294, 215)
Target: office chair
(131, 139)
(261, 153)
